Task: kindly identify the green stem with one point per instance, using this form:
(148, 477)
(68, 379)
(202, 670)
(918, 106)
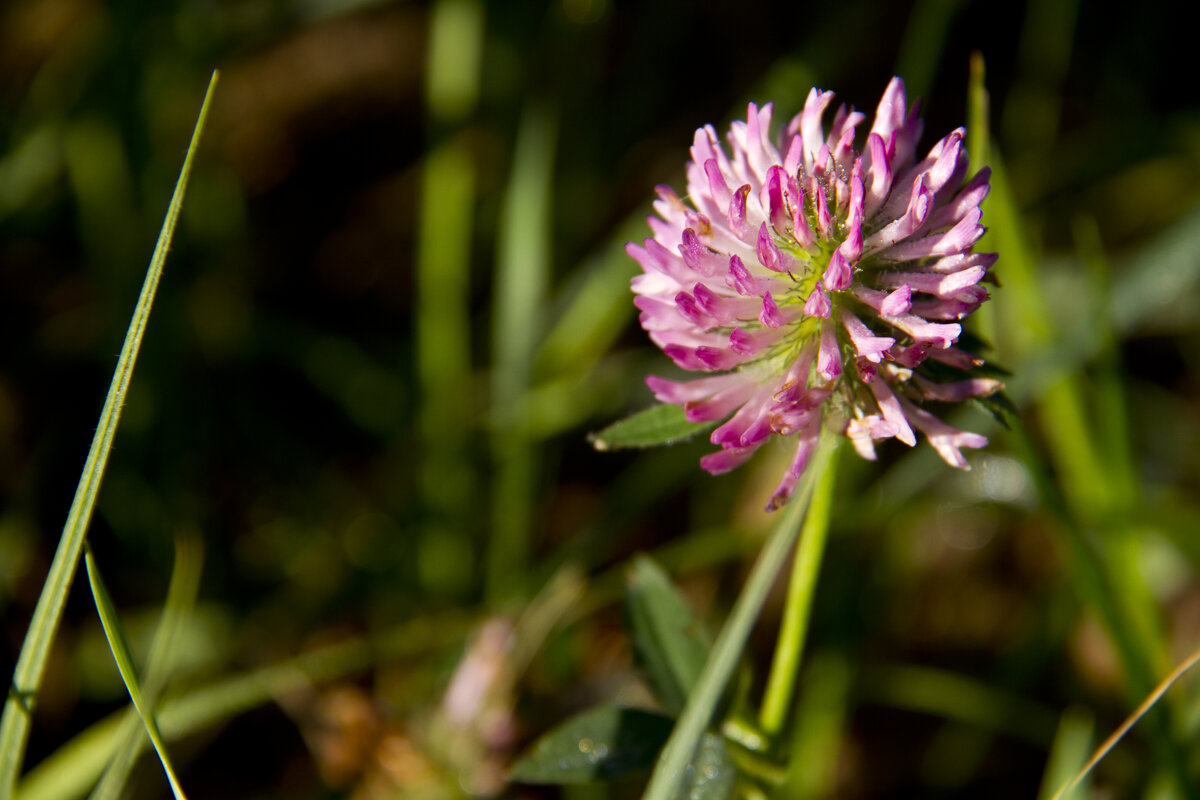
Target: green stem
(442, 310)
(522, 271)
(697, 714)
(27, 677)
(796, 613)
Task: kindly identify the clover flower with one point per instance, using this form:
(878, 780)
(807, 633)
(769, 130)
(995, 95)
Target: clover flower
(818, 283)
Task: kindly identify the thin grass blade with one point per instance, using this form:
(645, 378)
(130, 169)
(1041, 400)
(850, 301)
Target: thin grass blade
(27, 677)
(181, 600)
(442, 309)
(1130, 721)
(1068, 754)
(522, 272)
(120, 650)
(71, 770)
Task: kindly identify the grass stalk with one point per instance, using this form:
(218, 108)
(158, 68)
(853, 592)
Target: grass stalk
(181, 600)
(31, 663)
(522, 272)
(119, 646)
(71, 770)
(442, 307)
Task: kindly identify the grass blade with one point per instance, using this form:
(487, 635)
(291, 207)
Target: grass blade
(70, 771)
(27, 677)
(1130, 721)
(445, 224)
(1071, 745)
(181, 599)
(817, 734)
(924, 40)
(723, 659)
(522, 272)
(120, 650)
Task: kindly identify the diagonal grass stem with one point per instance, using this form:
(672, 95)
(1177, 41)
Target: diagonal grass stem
(119, 646)
(31, 663)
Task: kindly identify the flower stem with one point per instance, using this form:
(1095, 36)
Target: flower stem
(697, 714)
(806, 568)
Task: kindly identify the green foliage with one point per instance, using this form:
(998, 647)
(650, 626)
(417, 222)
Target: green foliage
(671, 643)
(27, 677)
(603, 743)
(120, 650)
(661, 424)
(612, 742)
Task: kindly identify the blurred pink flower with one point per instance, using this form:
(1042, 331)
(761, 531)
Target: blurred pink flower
(818, 283)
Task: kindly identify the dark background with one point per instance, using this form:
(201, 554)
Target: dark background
(273, 411)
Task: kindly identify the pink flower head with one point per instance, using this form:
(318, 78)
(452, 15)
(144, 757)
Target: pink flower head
(818, 283)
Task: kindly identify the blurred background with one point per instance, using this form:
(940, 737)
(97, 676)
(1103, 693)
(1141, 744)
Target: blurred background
(398, 301)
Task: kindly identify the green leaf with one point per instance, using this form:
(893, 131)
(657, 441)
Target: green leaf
(669, 640)
(711, 773)
(661, 424)
(31, 663)
(120, 650)
(1069, 756)
(181, 600)
(596, 745)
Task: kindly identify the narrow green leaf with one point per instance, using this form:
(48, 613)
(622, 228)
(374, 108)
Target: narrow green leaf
(522, 273)
(1068, 755)
(447, 477)
(667, 637)
(924, 39)
(27, 677)
(68, 772)
(598, 744)
(120, 650)
(181, 599)
(661, 424)
(817, 733)
(711, 774)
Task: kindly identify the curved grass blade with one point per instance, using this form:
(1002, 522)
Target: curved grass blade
(1132, 720)
(697, 714)
(181, 599)
(27, 677)
(71, 770)
(120, 650)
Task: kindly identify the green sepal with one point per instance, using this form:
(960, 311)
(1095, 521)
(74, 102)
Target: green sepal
(1000, 406)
